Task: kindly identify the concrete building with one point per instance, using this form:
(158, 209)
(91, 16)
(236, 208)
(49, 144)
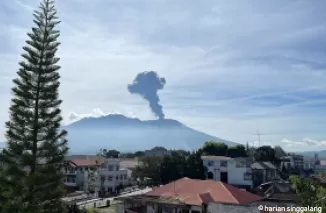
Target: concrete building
(292, 162)
(98, 174)
(191, 196)
(70, 175)
(263, 172)
(309, 162)
(234, 171)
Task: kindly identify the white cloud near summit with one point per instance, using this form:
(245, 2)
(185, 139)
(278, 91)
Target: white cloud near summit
(230, 67)
(95, 113)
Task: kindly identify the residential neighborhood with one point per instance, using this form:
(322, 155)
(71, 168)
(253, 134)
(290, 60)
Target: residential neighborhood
(228, 184)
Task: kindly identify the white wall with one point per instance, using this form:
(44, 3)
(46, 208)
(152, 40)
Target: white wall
(235, 174)
(217, 207)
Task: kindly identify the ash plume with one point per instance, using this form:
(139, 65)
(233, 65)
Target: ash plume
(147, 84)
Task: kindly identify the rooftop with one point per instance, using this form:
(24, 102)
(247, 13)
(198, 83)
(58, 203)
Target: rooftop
(263, 165)
(86, 160)
(213, 157)
(197, 192)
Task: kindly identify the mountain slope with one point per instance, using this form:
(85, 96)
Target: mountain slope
(130, 134)
(321, 154)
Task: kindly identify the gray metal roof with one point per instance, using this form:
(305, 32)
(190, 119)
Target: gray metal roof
(263, 165)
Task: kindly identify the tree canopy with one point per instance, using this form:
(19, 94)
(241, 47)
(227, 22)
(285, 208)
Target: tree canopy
(221, 149)
(171, 167)
(30, 177)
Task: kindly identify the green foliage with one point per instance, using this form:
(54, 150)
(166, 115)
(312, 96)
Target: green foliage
(171, 167)
(132, 154)
(309, 191)
(112, 153)
(149, 168)
(30, 177)
(265, 153)
(214, 148)
(237, 151)
(221, 149)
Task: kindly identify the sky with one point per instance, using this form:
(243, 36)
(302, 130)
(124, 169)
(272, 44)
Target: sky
(231, 67)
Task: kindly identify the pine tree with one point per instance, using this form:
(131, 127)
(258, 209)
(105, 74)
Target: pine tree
(30, 177)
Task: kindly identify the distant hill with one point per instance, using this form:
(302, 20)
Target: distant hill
(321, 154)
(131, 134)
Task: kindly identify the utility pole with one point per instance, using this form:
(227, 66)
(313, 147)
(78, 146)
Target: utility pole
(258, 134)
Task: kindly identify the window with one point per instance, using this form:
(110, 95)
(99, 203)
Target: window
(247, 176)
(240, 164)
(125, 177)
(121, 177)
(110, 178)
(110, 168)
(102, 178)
(117, 177)
(224, 163)
(210, 163)
(117, 168)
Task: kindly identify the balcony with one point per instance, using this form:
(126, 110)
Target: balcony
(70, 172)
(71, 184)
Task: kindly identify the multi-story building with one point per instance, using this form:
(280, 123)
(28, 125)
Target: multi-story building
(70, 174)
(97, 174)
(293, 162)
(234, 171)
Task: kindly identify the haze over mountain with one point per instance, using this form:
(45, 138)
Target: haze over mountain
(131, 134)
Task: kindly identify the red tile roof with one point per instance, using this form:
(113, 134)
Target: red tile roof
(87, 161)
(197, 192)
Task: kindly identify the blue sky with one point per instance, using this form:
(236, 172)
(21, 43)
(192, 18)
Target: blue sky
(231, 66)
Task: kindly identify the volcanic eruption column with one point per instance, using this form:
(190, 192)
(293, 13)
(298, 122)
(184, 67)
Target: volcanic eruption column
(147, 84)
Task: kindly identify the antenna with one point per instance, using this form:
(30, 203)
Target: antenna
(258, 134)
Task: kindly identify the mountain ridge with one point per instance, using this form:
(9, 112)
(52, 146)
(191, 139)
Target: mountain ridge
(123, 133)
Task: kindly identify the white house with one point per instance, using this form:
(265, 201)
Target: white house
(234, 171)
(102, 174)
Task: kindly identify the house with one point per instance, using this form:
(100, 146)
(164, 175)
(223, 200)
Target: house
(234, 171)
(191, 196)
(106, 178)
(70, 175)
(278, 193)
(263, 172)
(157, 152)
(292, 162)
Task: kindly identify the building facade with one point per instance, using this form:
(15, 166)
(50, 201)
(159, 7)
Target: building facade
(96, 174)
(234, 171)
(263, 172)
(191, 196)
(292, 162)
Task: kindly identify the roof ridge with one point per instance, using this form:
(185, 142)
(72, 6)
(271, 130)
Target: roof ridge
(224, 186)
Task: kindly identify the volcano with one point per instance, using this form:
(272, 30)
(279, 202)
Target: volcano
(126, 134)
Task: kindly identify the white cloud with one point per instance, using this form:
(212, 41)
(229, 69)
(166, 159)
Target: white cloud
(305, 142)
(230, 67)
(95, 113)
